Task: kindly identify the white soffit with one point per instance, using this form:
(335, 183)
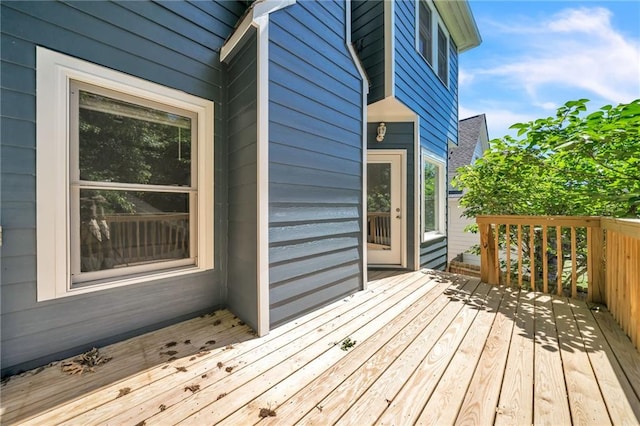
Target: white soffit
(460, 22)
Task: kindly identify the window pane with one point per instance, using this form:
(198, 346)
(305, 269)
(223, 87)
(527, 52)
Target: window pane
(442, 55)
(379, 206)
(123, 228)
(128, 143)
(430, 194)
(424, 41)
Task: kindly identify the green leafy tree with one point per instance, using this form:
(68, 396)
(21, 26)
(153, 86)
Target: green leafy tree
(574, 163)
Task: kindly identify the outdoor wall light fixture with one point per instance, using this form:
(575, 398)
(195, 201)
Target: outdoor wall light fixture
(382, 130)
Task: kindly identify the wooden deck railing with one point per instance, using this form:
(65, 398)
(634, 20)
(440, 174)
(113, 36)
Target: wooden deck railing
(622, 274)
(148, 237)
(570, 255)
(379, 226)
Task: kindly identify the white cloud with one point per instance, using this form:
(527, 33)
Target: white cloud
(576, 48)
(464, 77)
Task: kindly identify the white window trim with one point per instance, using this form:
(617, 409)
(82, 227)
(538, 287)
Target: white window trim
(436, 22)
(54, 71)
(427, 155)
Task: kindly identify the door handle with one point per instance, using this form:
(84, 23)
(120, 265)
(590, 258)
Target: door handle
(398, 217)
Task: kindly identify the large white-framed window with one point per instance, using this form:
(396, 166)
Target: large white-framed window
(432, 39)
(124, 179)
(433, 195)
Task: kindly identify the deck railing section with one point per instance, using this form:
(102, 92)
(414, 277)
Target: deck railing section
(148, 237)
(379, 226)
(622, 274)
(567, 255)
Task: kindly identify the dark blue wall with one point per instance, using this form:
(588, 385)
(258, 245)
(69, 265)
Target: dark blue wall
(171, 43)
(418, 86)
(315, 155)
(243, 222)
(367, 34)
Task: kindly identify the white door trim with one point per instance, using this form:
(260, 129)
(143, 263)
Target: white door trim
(402, 153)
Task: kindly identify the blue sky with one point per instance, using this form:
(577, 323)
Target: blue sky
(535, 56)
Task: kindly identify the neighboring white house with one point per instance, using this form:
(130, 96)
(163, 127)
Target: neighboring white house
(473, 140)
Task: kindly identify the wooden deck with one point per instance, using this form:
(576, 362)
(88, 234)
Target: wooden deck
(430, 348)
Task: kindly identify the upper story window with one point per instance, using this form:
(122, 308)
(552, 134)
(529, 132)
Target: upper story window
(124, 179)
(443, 55)
(432, 39)
(425, 32)
(433, 196)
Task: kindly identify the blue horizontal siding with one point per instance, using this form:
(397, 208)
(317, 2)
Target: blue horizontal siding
(433, 255)
(242, 92)
(176, 45)
(418, 86)
(367, 34)
(315, 155)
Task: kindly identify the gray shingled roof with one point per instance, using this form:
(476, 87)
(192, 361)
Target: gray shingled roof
(468, 134)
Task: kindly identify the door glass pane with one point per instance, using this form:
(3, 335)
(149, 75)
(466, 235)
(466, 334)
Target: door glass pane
(127, 228)
(128, 143)
(379, 206)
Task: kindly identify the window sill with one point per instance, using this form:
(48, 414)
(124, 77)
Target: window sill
(432, 236)
(95, 286)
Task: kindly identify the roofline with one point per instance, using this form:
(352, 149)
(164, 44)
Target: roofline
(257, 10)
(460, 22)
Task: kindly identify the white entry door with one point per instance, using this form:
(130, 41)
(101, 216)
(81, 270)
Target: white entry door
(385, 200)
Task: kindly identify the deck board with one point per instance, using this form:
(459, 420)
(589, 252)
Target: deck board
(431, 348)
(481, 399)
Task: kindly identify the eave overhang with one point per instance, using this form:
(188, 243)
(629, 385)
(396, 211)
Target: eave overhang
(460, 22)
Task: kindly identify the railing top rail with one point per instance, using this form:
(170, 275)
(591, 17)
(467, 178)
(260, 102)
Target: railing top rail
(578, 221)
(629, 227)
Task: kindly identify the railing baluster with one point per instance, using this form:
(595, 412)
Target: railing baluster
(519, 256)
(508, 249)
(574, 264)
(559, 268)
(545, 266)
(496, 261)
(532, 259)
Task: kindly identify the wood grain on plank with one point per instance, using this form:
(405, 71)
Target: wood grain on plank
(516, 396)
(550, 403)
(310, 389)
(417, 360)
(480, 402)
(258, 375)
(444, 404)
(622, 403)
(585, 399)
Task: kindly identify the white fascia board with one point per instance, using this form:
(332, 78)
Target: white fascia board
(258, 10)
(460, 23)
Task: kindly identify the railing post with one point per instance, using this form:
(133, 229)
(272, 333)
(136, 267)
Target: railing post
(488, 266)
(595, 262)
